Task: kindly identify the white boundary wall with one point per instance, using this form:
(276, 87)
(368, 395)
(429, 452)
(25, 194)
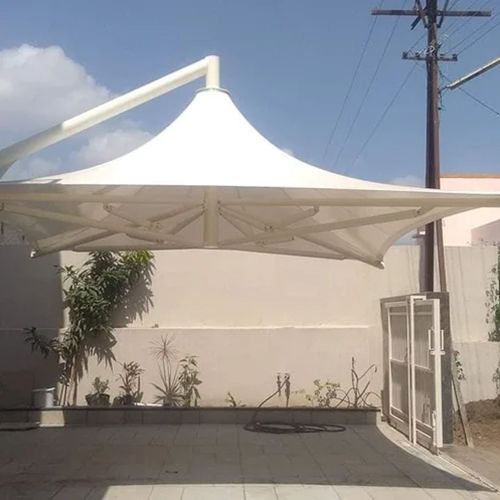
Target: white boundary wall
(248, 316)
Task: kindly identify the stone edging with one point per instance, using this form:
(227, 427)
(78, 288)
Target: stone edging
(85, 415)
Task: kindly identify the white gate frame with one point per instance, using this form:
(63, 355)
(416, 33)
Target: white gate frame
(416, 430)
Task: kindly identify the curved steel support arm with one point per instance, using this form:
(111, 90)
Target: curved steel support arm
(207, 67)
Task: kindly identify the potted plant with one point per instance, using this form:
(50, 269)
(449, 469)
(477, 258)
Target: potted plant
(130, 384)
(99, 396)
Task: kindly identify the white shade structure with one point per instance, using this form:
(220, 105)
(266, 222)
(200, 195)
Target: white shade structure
(210, 180)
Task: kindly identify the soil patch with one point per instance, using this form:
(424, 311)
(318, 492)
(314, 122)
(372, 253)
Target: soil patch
(484, 420)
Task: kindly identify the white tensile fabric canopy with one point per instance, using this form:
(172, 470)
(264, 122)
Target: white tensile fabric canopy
(210, 180)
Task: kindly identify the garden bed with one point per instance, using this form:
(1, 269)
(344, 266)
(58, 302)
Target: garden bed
(85, 415)
(484, 420)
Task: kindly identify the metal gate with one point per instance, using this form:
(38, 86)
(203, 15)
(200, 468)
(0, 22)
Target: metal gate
(415, 345)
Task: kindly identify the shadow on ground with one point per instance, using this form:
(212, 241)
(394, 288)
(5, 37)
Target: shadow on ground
(87, 462)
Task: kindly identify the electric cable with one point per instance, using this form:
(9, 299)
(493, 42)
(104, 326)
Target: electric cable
(480, 37)
(457, 25)
(367, 92)
(351, 84)
(473, 97)
(384, 114)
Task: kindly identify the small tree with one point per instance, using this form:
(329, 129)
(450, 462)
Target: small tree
(93, 293)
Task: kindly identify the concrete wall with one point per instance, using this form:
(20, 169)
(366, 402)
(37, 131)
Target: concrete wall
(488, 234)
(457, 229)
(247, 316)
(30, 295)
(480, 360)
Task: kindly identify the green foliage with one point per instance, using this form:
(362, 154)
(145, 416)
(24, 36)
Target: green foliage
(233, 402)
(329, 394)
(92, 293)
(458, 365)
(130, 384)
(39, 342)
(98, 396)
(179, 381)
(496, 381)
(189, 381)
(324, 393)
(170, 390)
(100, 386)
(493, 302)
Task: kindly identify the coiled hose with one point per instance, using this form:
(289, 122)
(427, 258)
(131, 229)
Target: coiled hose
(284, 427)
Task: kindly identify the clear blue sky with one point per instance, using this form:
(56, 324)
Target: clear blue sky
(287, 65)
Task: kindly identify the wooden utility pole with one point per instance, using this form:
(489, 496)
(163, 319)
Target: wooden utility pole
(432, 18)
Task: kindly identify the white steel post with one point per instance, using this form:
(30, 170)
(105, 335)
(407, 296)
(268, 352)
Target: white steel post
(438, 352)
(411, 386)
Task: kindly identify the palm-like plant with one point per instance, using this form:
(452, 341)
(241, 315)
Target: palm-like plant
(170, 390)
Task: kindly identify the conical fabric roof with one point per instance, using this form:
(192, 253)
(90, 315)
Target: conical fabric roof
(210, 180)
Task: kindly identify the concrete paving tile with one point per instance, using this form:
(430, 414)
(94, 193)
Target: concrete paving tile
(321, 492)
(260, 492)
(44, 490)
(447, 494)
(303, 466)
(309, 492)
(210, 492)
(349, 492)
(166, 492)
(486, 495)
(121, 492)
(396, 493)
(79, 492)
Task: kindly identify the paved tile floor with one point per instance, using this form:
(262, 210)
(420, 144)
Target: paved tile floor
(217, 462)
(483, 460)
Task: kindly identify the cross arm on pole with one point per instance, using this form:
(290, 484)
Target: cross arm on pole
(444, 13)
(417, 56)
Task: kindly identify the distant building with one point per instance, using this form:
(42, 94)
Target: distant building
(480, 226)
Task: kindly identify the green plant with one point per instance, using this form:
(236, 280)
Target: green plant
(98, 396)
(100, 386)
(233, 402)
(493, 302)
(130, 384)
(39, 342)
(170, 391)
(360, 395)
(324, 393)
(93, 292)
(496, 380)
(189, 381)
(329, 394)
(179, 381)
(458, 365)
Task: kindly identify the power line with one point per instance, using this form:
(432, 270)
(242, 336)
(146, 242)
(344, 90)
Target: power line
(457, 25)
(384, 114)
(473, 32)
(367, 92)
(482, 103)
(417, 42)
(480, 37)
(351, 84)
(473, 97)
